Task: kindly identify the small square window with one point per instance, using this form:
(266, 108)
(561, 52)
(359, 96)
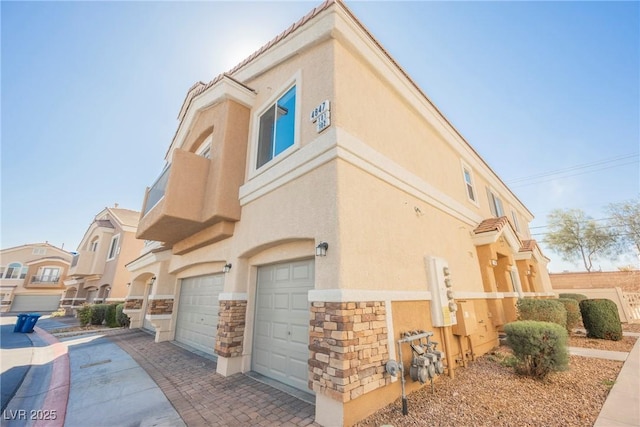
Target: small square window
(277, 128)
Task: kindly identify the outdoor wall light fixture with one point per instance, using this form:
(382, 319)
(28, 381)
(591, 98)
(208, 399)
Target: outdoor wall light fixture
(321, 249)
(493, 262)
(528, 272)
(153, 279)
(226, 268)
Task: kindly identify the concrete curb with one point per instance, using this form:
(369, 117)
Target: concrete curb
(57, 395)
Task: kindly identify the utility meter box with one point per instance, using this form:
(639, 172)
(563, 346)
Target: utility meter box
(443, 305)
(466, 316)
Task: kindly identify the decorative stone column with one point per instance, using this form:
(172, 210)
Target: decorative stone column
(133, 309)
(230, 336)
(348, 351)
(159, 313)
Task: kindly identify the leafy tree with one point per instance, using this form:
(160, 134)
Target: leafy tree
(576, 236)
(625, 220)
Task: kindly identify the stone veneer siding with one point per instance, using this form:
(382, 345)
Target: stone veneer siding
(160, 306)
(133, 304)
(348, 348)
(231, 321)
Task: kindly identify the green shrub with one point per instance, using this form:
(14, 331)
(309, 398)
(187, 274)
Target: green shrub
(539, 347)
(574, 318)
(110, 316)
(600, 319)
(542, 310)
(122, 318)
(84, 314)
(577, 297)
(98, 313)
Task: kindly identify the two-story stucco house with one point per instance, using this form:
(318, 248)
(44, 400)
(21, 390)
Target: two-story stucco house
(31, 277)
(315, 205)
(98, 273)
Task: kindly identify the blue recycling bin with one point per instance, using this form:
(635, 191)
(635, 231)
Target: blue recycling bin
(22, 318)
(30, 322)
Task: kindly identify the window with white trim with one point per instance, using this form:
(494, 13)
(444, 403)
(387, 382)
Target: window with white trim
(495, 204)
(39, 251)
(2, 269)
(94, 245)
(114, 249)
(514, 217)
(277, 128)
(468, 182)
(15, 270)
(204, 150)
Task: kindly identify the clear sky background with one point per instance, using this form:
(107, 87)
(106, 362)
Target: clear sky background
(91, 92)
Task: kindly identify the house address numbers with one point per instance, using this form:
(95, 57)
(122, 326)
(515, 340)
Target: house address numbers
(321, 116)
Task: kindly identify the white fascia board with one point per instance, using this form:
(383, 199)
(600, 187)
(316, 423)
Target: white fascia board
(358, 295)
(148, 259)
(232, 296)
(226, 88)
(161, 296)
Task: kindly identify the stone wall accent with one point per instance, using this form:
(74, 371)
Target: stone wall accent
(348, 348)
(231, 321)
(133, 304)
(160, 306)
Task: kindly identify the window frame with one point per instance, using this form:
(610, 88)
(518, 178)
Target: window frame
(466, 169)
(516, 222)
(114, 248)
(495, 203)
(295, 80)
(13, 267)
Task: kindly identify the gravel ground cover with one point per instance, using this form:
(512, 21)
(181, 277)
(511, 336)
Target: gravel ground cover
(489, 393)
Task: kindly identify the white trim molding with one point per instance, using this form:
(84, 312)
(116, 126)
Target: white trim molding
(232, 296)
(167, 296)
(357, 295)
(158, 316)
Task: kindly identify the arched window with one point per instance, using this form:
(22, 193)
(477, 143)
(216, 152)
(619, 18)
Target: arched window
(15, 271)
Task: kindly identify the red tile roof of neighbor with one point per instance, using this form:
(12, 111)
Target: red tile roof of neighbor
(491, 224)
(528, 245)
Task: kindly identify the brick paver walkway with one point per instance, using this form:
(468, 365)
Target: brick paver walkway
(204, 398)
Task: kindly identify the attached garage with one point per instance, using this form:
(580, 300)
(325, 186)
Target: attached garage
(32, 303)
(198, 307)
(281, 332)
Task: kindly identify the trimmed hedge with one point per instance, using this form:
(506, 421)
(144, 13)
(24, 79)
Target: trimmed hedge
(542, 310)
(98, 313)
(110, 316)
(84, 314)
(577, 297)
(122, 318)
(539, 347)
(600, 319)
(573, 313)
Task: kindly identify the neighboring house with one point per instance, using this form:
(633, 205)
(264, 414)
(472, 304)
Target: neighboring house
(31, 277)
(314, 206)
(98, 273)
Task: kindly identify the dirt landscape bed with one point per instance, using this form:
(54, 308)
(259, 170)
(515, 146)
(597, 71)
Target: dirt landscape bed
(489, 393)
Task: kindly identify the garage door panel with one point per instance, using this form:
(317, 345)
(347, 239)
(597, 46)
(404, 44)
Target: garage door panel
(198, 308)
(35, 303)
(282, 303)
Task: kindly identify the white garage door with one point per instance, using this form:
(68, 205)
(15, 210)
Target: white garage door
(33, 303)
(198, 309)
(281, 333)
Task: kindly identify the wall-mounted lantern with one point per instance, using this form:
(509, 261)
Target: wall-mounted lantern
(226, 268)
(321, 249)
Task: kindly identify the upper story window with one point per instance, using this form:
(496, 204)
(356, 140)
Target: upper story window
(39, 251)
(514, 217)
(277, 128)
(468, 182)
(16, 271)
(495, 204)
(94, 245)
(204, 150)
(114, 249)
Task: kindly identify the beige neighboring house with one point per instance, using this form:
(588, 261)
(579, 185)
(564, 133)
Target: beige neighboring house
(315, 205)
(98, 273)
(31, 277)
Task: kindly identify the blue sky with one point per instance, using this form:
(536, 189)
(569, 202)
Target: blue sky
(91, 91)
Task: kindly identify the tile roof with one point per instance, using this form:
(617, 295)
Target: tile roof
(104, 223)
(491, 224)
(528, 245)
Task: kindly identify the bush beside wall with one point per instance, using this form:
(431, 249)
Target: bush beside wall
(110, 316)
(577, 297)
(574, 318)
(121, 317)
(539, 347)
(600, 319)
(84, 314)
(542, 310)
